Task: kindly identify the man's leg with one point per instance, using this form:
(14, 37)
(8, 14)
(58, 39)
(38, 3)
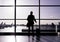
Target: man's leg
(29, 30)
(32, 33)
(32, 29)
(29, 34)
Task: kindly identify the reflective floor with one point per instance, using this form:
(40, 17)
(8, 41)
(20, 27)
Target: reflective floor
(19, 38)
(26, 39)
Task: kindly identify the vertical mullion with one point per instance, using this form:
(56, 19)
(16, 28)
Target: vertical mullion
(39, 19)
(39, 14)
(15, 18)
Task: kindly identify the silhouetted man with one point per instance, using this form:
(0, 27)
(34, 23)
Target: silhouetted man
(31, 20)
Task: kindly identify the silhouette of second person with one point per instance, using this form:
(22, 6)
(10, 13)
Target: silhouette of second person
(31, 19)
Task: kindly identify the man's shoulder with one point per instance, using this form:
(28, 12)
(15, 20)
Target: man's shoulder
(31, 15)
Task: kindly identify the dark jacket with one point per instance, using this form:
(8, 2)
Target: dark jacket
(31, 20)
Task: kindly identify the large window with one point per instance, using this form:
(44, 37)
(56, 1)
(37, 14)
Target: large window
(49, 13)
(13, 20)
(6, 16)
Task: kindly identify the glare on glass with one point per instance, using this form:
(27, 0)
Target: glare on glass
(6, 2)
(23, 12)
(6, 12)
(56, 22)
(27, 2)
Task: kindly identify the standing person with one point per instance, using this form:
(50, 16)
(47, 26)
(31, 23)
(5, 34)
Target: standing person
(31, 19)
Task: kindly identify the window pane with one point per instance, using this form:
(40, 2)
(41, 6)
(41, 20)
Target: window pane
(23, 12)
(27, 2)
(6, 2)
(50, 2)
(49, 24)
(50, 12)
(6, 12)
(49, 21)
(6, 26)
(21, 24)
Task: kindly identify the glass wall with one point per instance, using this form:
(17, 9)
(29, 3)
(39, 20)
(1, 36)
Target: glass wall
(49, 18)
(6, 16)
(49, 14)
(23, 9)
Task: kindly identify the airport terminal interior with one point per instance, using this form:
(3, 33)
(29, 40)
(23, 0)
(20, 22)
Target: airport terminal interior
(14, 20)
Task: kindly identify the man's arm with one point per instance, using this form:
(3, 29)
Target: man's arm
(35, 20)
(28, 18)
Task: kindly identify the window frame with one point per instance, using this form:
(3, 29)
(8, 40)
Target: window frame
(25, 19)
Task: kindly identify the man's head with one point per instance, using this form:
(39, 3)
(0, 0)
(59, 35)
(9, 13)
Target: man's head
(31, 13)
